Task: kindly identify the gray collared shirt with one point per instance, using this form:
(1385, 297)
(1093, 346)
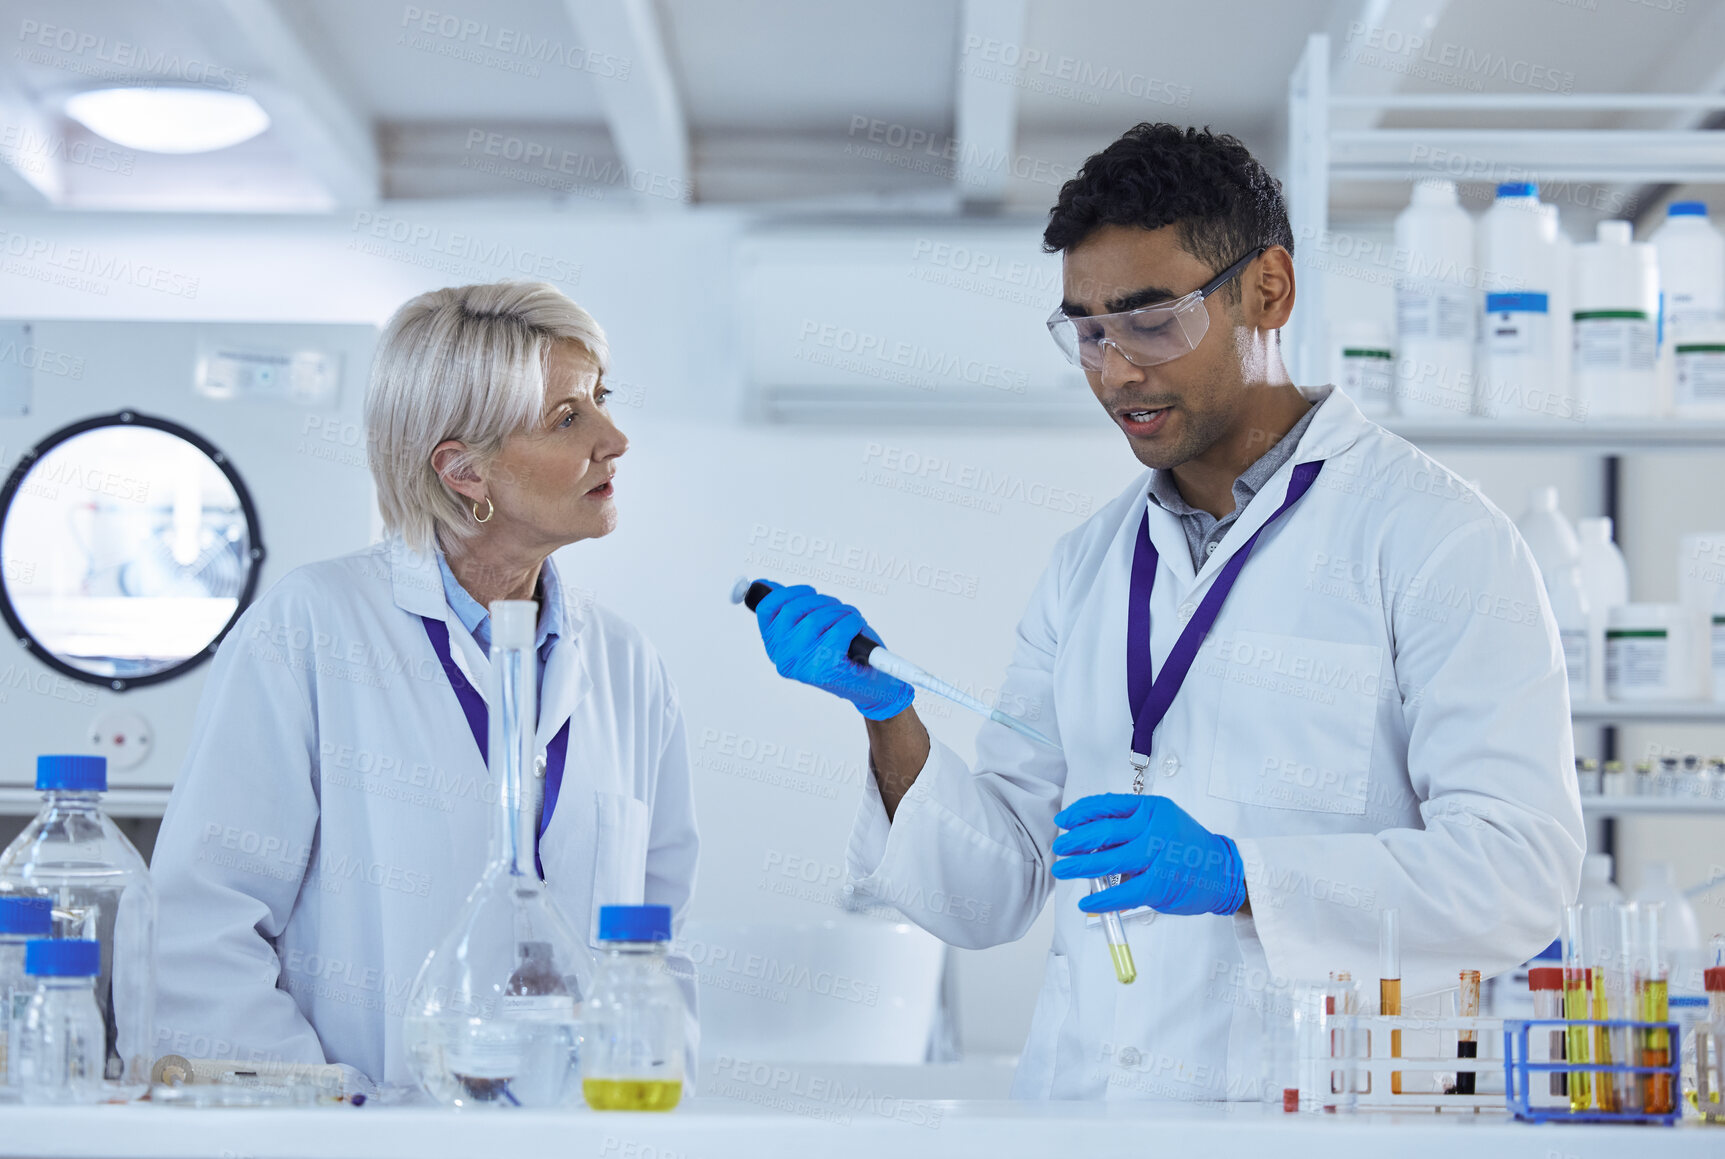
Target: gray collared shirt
(1203, 530)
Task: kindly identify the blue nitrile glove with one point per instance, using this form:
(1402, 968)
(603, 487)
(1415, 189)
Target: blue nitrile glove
(1171, 863)
(807, 635)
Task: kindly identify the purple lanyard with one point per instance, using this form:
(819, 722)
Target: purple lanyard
(479, 722)
(1150, 696)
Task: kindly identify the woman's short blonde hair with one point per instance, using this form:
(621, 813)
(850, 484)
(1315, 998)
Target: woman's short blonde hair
(464, 363)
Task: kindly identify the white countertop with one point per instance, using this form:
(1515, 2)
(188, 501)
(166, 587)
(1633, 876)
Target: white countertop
(717, 1128)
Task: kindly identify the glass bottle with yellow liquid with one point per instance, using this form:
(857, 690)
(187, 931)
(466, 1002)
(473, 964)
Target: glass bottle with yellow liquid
(633, 1027)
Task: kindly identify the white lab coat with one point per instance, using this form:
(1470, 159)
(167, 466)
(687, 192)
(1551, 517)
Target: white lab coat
(1379, 718)
(334, 811)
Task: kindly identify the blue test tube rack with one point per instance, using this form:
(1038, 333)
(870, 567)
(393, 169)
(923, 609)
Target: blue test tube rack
(1518, 1068)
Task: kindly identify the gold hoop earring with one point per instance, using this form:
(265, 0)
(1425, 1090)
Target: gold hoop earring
(489, 511)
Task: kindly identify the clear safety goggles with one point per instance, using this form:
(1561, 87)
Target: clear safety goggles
(1147, 335)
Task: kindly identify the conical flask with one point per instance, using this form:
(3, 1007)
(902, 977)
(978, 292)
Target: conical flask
(495, 1016)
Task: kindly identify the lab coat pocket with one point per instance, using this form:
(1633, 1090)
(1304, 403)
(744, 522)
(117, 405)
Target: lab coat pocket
(1035, 1076)
(1295, 721)
(620, 853)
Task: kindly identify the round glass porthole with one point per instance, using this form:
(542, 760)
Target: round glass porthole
(128, 548)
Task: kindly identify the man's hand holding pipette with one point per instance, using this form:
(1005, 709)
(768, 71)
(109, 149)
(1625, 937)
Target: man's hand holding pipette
(1169, 862)
(807, 637)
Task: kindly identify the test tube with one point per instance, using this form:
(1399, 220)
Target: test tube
(1549, 1088)
(1607, 1000)
(1390, 982)
(1118, 947)
(1576, 996)
(1652, 973)
(1467, 1041)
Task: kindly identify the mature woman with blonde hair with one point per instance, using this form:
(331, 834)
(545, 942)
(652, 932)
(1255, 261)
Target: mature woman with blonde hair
(334, 807)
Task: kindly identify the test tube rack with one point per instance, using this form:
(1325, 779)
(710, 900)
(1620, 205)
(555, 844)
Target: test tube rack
(1428, 1057)
(1521, 1069)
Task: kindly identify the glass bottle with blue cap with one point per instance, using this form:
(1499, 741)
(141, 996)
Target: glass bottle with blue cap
(632, 1059)
(21, 920)
(62, 1040)
(100, 891)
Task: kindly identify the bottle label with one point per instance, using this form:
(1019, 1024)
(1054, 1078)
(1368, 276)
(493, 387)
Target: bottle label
(1637, 659)
(1684, 309)
(1517, 325)
(1368, 376)
(1700, 374)
(1439, 312)
(537, 1007)
(1614, 340)
(1575, 658)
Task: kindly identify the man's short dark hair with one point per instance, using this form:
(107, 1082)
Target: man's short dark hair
(1221, 202)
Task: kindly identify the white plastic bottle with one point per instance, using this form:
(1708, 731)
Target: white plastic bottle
(1436, 298)
(62, 1046)
(73, 853)
(1681, 930)
(1716, 641)
(1616, 312)
(1605, 580)
(1692, 283)
(1597, 888)
(1363, 364)
(1557, 551)
(1649, 653)
(1691, 267)
(1517, 262)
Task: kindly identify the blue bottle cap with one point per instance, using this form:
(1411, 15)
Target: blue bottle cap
(31, 916)
(72, 774)
(1518, 189)
(63, 958)
(1687, 209)
(634, 923)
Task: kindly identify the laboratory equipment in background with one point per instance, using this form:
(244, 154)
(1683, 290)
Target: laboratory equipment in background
(1605, 582)
(75, 856)
(1518, 264)
(1597, 887)
(21, 920)
(1616, 312)
(62, 1040)
(1390, 980)
(1363, 364)
(1648, 653)
(1435, 304)
(163, 525)
(1692, 284)
(495, 1013)
(1557, 551)
(1550, 1090)
(633, 1025)
(1681, 932)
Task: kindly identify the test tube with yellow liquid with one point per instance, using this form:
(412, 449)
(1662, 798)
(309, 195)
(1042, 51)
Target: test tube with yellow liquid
(1577, 1006)
(1119, 948)
(1390, 982)
(1653, 1004)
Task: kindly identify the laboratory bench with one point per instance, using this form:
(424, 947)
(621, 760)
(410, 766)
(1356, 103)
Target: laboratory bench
(722, 1127)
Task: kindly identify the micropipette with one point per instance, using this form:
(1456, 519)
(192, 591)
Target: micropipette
(866, 652)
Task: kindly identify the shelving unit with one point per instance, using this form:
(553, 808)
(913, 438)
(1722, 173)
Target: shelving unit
(1650, 807)
(1321, 154)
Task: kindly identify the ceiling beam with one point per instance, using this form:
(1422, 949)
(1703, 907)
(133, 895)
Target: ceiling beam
(331, 138)
(640, 100)
(985, 107)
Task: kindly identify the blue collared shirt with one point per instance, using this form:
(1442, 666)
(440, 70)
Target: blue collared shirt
(477, 619)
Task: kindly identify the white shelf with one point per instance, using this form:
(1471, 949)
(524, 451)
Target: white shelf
(1600, 435)
(1645, 806)
(22, 802)
(1633, 712)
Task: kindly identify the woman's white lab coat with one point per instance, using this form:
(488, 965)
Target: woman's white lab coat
(1379, 718)
(334, 810)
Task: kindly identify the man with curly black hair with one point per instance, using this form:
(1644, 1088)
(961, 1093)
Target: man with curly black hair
(1297, 677)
